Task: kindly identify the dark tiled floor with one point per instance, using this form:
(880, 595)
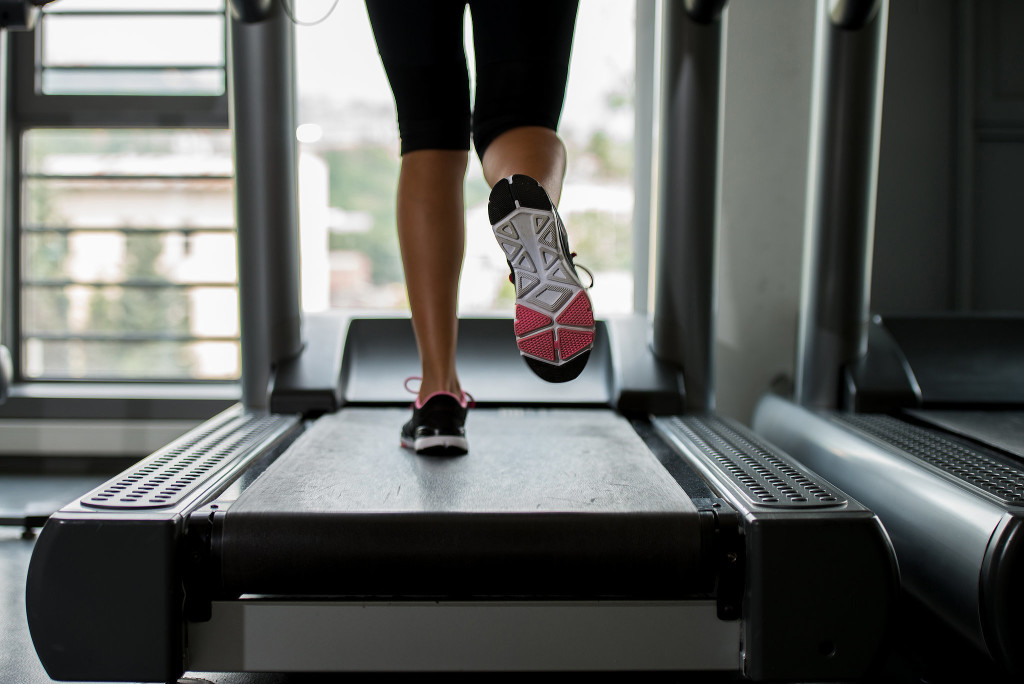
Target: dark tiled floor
(920, 652)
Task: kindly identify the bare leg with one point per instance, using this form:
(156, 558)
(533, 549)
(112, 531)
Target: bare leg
(431, 232)
(535, 151)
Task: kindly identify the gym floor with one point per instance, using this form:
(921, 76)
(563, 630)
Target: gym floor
(916, 654)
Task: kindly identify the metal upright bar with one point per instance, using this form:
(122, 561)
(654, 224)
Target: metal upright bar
(6, 226)
(842, 185)
(688, 192)
(262, 104)
(643, 148)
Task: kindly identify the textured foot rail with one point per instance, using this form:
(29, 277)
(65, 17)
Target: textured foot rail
(764, 476)
(980, 468)
(173, 473)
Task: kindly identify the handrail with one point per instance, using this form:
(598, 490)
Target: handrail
(688, 195)
(842, 191)
(251, 11)
(5, 372)
(705, 11)
(262, 104)
(853, 15)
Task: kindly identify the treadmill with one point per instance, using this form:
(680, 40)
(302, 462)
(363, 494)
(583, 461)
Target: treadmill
(919, 417)
(609, 524)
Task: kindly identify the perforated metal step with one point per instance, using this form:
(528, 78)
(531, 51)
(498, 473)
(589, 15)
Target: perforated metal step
(171, 474)
(760, 472)
(987, 470)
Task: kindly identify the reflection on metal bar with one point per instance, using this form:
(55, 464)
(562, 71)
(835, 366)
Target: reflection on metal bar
(134, 67)
(104, 178)
(126, 337)
(127, 230)
(127, 284)
(134, 13)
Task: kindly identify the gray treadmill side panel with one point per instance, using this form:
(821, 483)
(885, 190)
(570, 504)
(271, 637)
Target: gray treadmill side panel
(922, 511)
(642, 383)
(256, 635)
(310, 383)
(821, 581)
(102, 600)
(104, 591)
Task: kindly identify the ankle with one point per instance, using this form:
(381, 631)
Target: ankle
(427, 389)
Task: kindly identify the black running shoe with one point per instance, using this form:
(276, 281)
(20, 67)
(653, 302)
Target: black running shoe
(554, 322)
(437, 427)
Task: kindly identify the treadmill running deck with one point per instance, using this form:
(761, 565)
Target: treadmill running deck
(563, 503)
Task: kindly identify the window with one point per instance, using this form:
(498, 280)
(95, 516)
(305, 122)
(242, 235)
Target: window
(125, 250)
(105, 47)
(349, 168)
(128, 268)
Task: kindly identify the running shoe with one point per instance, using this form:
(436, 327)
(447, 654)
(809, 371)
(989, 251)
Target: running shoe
(438, 426)
(554, 322)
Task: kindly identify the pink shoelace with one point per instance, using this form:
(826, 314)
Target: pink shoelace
(465, 401)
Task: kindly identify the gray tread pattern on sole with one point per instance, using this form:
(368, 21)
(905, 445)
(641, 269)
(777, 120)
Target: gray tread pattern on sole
(550, 289)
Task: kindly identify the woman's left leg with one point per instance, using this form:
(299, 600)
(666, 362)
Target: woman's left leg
(431, 231)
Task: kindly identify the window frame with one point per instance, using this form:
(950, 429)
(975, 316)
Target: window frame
(26, 108)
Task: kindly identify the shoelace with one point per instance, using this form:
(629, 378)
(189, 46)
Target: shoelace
(581, 267)
(572, 260)
(466, 396)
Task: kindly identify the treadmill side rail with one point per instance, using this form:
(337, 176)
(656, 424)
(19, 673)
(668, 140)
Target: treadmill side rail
(941, 530)
(103, 593)
(820, 575)
(255, 635)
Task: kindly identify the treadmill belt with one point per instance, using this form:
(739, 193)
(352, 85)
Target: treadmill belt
(547, 502)
(1000, 429)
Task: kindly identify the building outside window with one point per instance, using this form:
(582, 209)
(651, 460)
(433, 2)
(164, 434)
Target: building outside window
(126, 254)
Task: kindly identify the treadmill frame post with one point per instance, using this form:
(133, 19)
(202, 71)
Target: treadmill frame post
(689, 188)
(262, 109)
(842, 189)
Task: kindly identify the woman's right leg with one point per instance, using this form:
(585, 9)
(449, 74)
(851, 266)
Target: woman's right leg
(520, 88)
(522, 61)
(535, 151)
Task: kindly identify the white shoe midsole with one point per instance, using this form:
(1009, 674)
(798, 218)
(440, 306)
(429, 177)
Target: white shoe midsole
(446, 441)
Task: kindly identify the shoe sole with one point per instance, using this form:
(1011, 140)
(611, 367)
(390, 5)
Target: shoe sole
(440, 445)
(554, 322)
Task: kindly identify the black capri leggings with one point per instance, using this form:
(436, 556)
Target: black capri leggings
(522, 62)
